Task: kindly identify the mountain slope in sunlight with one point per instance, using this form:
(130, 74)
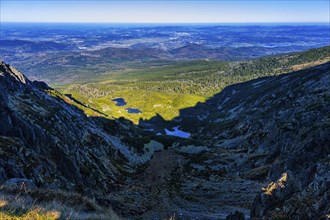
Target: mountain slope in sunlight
(165, 90)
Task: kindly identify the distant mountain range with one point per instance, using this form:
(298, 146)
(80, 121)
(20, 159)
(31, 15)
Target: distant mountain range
(59, 49)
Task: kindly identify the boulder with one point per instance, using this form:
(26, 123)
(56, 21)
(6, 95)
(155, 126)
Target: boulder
(274, 194)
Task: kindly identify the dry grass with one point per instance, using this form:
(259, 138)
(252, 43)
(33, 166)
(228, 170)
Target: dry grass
(42, 204)
(36, 213)
(309, 64)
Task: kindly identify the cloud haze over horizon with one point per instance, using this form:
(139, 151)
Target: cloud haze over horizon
(165, 11)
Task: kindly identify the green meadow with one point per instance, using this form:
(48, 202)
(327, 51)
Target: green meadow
(167, 89)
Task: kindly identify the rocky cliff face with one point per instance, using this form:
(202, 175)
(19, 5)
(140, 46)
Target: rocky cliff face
(260, 148)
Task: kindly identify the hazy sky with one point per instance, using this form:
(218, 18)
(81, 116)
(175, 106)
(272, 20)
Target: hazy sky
(165, 11)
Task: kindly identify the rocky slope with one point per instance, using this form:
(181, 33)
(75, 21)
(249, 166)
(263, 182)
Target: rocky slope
(47, 140)
(260, 131)
(259, 147)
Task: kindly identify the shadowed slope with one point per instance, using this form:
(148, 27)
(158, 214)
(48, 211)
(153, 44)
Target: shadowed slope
(255, 132)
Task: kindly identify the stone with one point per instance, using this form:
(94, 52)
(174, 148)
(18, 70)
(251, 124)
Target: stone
(235, 216)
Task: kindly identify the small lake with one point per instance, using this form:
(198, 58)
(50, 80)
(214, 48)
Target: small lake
(177, 133)
(133, 110)
(119, 101)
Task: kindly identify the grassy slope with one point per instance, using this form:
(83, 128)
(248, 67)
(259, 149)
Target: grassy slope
(165, 90)
(42, 204)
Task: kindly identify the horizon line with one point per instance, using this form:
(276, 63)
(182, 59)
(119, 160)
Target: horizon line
(212, 22)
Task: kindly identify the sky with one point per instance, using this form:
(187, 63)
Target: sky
(158, 11)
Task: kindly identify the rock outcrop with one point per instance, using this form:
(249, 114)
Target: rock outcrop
(304, 196)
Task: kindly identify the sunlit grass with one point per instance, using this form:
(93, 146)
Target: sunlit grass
(3, 203)
(149, 103)
(34, 214)
(44, 204)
